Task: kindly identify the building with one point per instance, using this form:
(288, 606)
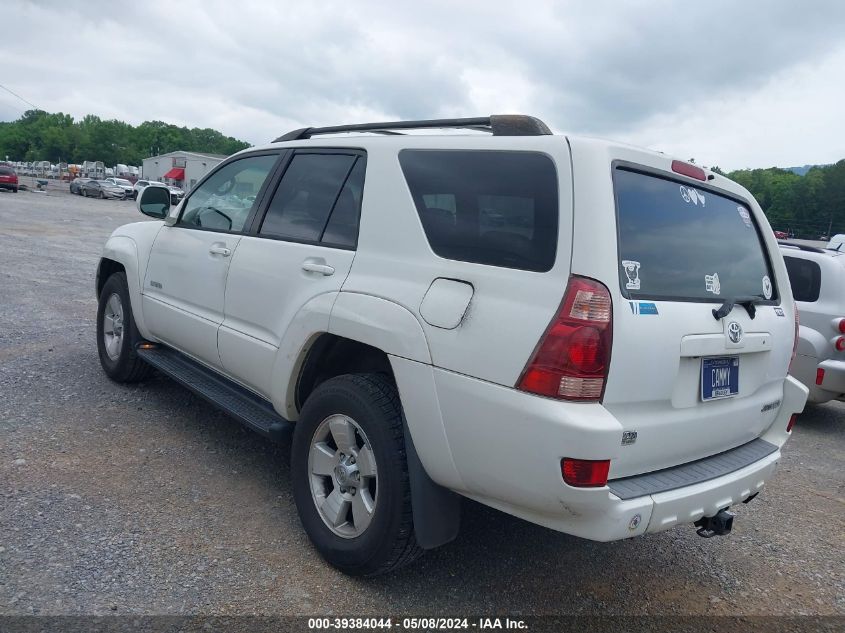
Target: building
(183, 169)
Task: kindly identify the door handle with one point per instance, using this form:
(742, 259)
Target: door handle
(317, 265)
(218, 249)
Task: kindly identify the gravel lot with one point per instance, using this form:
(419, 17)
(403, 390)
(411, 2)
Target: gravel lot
(145, 500)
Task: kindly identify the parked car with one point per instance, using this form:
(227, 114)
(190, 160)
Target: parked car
(176, 194)
(781, 235)
(8, 178)
(504, 322)
(123, 184)
(817, 277)
(102, 189)
(76, 185)
(140, 185)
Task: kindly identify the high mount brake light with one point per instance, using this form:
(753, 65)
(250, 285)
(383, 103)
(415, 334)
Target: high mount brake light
(571, 361)
(687, 169)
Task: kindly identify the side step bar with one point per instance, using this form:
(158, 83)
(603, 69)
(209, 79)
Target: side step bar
(243, 405)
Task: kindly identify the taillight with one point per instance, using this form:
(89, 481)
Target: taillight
(585, 473)
(840, 344)
(819, 376)
(792, 420)
(841, 326)
(572, 359)
(688, 169)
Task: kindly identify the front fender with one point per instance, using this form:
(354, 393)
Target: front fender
(130, 246)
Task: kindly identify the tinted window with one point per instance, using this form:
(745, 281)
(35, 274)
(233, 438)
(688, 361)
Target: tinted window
(7, 171)
(304, 198)
(487, 207)
(683, 243)
(224, 201)
(342, 229)
(805, 277)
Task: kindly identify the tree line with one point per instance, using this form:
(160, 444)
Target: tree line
(807, 205)
(39, 135)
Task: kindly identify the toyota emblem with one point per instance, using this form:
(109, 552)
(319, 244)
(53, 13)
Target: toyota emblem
(734, 332)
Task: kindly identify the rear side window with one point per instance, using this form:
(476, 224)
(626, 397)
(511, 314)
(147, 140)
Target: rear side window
(305, 197)
(488, 207)
(805, 277)
(678, 242)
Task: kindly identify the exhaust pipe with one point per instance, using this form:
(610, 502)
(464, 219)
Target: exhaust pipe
(718, 525)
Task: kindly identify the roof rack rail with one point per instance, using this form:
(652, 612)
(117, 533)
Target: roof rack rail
(497, 124)
(803, 247)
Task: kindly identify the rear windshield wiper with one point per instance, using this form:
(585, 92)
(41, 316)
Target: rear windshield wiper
(745, 302)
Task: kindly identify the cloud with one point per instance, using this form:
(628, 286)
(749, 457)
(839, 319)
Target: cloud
(633, 70)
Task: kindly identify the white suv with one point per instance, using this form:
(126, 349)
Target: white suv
(589, 336)
(817, 277)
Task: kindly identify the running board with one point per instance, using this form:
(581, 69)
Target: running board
(248, 408)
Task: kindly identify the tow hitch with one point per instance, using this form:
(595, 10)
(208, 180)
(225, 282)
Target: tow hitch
(718, 525)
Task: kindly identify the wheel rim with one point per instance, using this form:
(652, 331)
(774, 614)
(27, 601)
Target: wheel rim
(113, 326)
(343, 476)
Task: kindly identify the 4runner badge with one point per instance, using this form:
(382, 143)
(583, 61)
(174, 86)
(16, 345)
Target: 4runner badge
(734, 332)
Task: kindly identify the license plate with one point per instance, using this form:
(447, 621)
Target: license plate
(719, 377)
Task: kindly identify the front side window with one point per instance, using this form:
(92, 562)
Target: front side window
(679, 242)
(498, 208)
(225, 200)
(309, 190)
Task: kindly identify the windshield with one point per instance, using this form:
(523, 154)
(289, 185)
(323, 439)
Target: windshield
(684, 243)
(121, 181)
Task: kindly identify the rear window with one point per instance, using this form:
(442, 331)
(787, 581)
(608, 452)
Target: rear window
(684, 243)
(7, 171)
(805, 277)
(487, 207)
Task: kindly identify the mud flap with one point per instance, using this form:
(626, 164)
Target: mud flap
(437, 510)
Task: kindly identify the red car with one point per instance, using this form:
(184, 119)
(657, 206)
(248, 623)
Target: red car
(781, 235)
(8, 178)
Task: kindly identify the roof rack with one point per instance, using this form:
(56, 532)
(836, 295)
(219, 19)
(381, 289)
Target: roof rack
(804, 247)
(497, 124)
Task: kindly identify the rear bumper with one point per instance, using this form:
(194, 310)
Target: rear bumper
(834, 376)
(507, 448)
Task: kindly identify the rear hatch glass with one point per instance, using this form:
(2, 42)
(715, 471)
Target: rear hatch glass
(679, 242)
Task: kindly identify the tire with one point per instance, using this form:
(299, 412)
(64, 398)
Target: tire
(119, 359)
(82, 191)
(15, 190)
(134, 195)
(386, 542)
(102, 195)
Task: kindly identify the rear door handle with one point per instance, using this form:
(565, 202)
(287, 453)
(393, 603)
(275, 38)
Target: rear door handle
(220, 249)
(317, 265)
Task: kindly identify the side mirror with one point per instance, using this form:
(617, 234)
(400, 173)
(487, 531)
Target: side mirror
(154, 201)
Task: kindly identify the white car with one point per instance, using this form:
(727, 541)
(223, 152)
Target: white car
(818, 285)
(587, 335)
(140, 185)
(124, 184)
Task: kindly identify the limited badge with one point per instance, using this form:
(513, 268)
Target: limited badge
(711, 283)
(779, 312)
(632, 272)
(767, 287)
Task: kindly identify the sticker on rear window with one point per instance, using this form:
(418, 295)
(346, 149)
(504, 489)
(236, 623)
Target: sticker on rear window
(632, 271)
(641, 307)
(711, 283)
(746, 217)
(767, 287)
(692, 196)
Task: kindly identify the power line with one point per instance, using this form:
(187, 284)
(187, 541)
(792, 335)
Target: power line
(18, 96)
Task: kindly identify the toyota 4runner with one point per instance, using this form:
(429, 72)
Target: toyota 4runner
(587, 335)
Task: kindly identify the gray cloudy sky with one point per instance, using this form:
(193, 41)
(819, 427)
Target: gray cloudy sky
(735, 84)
